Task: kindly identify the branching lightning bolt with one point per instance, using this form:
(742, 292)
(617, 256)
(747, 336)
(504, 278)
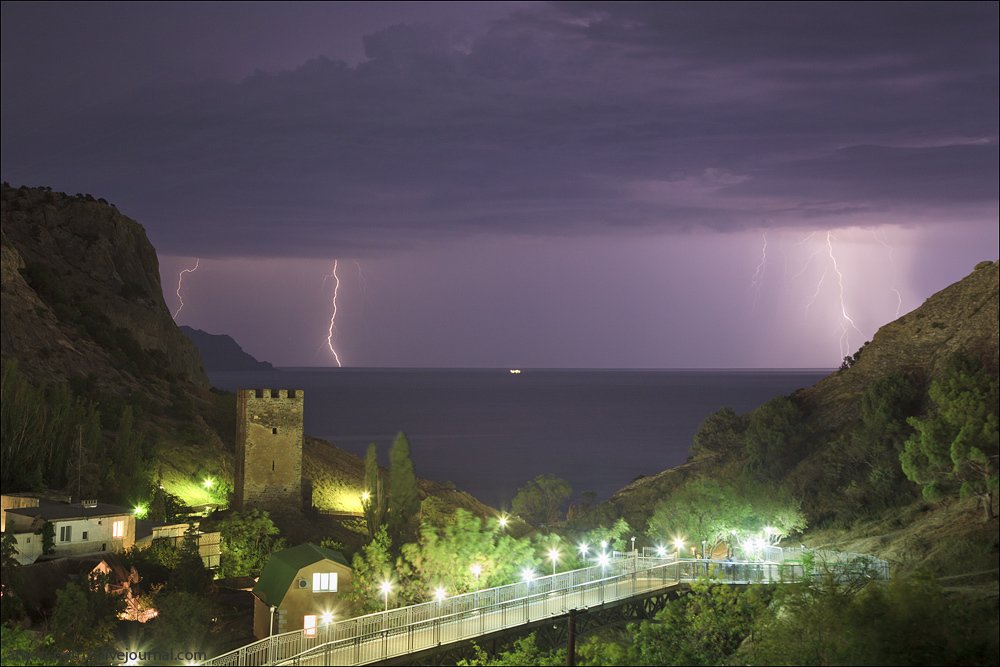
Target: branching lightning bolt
(845, 344)
(180, 282)
(333, 315)
(819, 285)
(362, 279)
(892, 263)
(758, 274)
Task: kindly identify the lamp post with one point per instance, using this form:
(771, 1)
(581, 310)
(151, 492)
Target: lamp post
(476, 570)
(554, 557)
(385, 588)
(273, 609)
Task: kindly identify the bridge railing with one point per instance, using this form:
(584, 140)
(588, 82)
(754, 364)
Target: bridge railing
(395, 632)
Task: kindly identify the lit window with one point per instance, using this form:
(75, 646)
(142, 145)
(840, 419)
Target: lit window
(118, 529)
(325, 582)
(309, 625)
(65, 533)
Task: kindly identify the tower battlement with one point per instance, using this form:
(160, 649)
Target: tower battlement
(269, 437)
(292, 394)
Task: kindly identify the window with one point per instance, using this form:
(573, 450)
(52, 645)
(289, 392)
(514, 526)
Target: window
(83, 536)
(274, 430)
(309, 625)
(65, 533)
(118, 529)
(325, 582)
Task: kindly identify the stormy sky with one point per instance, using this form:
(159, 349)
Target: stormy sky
(653, 185)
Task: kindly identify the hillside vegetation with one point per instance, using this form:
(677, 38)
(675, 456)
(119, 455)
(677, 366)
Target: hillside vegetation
(836, 447)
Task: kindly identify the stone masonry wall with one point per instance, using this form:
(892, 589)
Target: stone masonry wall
(269, 449)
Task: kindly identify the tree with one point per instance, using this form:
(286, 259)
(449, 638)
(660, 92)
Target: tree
(404, 499)
(371, 567)
(773, 436)
(462, 554)
(373, 499)
(706, 512)
(957, 445)
(21, 647)
(540, 501)
(247, 540)
(525, 651)
(909, 621)
(190, 574)
(9, 578)
(84, 618)
(703, 627)
(48, 534)
(183, 622)
(720, 433)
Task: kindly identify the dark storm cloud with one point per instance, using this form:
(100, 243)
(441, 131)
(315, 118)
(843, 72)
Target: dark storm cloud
(556, 120)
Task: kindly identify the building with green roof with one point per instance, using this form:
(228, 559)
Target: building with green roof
(300, 588)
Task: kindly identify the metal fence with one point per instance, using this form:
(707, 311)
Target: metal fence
(397, 632)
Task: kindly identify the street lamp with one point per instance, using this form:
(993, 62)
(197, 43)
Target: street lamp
(273, 609)
(679, 545)
(583, 548)
(633, 543)
(603, 560)
(502, 521)
(386, 587)
(528, 575)
(661, 551)
(476, 570)
(554, 557)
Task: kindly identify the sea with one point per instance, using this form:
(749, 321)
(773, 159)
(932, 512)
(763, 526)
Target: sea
(489, 431)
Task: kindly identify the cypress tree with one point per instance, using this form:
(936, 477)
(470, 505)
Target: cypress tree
(404, 500)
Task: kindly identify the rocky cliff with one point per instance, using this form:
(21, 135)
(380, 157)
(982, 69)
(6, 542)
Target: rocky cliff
(82, 297)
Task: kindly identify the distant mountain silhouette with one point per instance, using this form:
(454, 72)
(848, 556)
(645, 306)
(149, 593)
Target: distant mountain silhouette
(220, 352)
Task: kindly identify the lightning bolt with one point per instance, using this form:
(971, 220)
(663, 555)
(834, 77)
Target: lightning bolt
(362, 279)
(892, 263)
(333, 315)
(845, 343)
(819, 285)
(180, 282)
(758, 274)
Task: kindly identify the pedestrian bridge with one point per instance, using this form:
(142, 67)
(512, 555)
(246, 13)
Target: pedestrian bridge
(398, 632)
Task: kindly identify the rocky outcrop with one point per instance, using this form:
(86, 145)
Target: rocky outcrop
(82, 297)
(220, 352)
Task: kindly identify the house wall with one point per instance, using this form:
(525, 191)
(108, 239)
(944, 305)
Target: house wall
(13, 502)
(99, 535)
(299, 601)
(29, 547)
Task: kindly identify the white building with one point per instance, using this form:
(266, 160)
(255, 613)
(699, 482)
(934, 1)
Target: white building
(78, 528)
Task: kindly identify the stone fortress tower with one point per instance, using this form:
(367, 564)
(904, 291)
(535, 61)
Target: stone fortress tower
(269, 449)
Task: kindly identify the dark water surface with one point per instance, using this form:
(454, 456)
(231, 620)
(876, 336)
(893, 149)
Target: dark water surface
(489, 431)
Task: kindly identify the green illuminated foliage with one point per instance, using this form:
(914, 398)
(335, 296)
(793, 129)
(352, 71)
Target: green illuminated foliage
(955, 447)
(247, 540)
(541, 500)
(403, 500)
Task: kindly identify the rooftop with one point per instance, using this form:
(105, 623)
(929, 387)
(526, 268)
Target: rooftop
(54, 511)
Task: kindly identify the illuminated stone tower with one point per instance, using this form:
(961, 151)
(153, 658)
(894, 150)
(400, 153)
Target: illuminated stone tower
(269, 449)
